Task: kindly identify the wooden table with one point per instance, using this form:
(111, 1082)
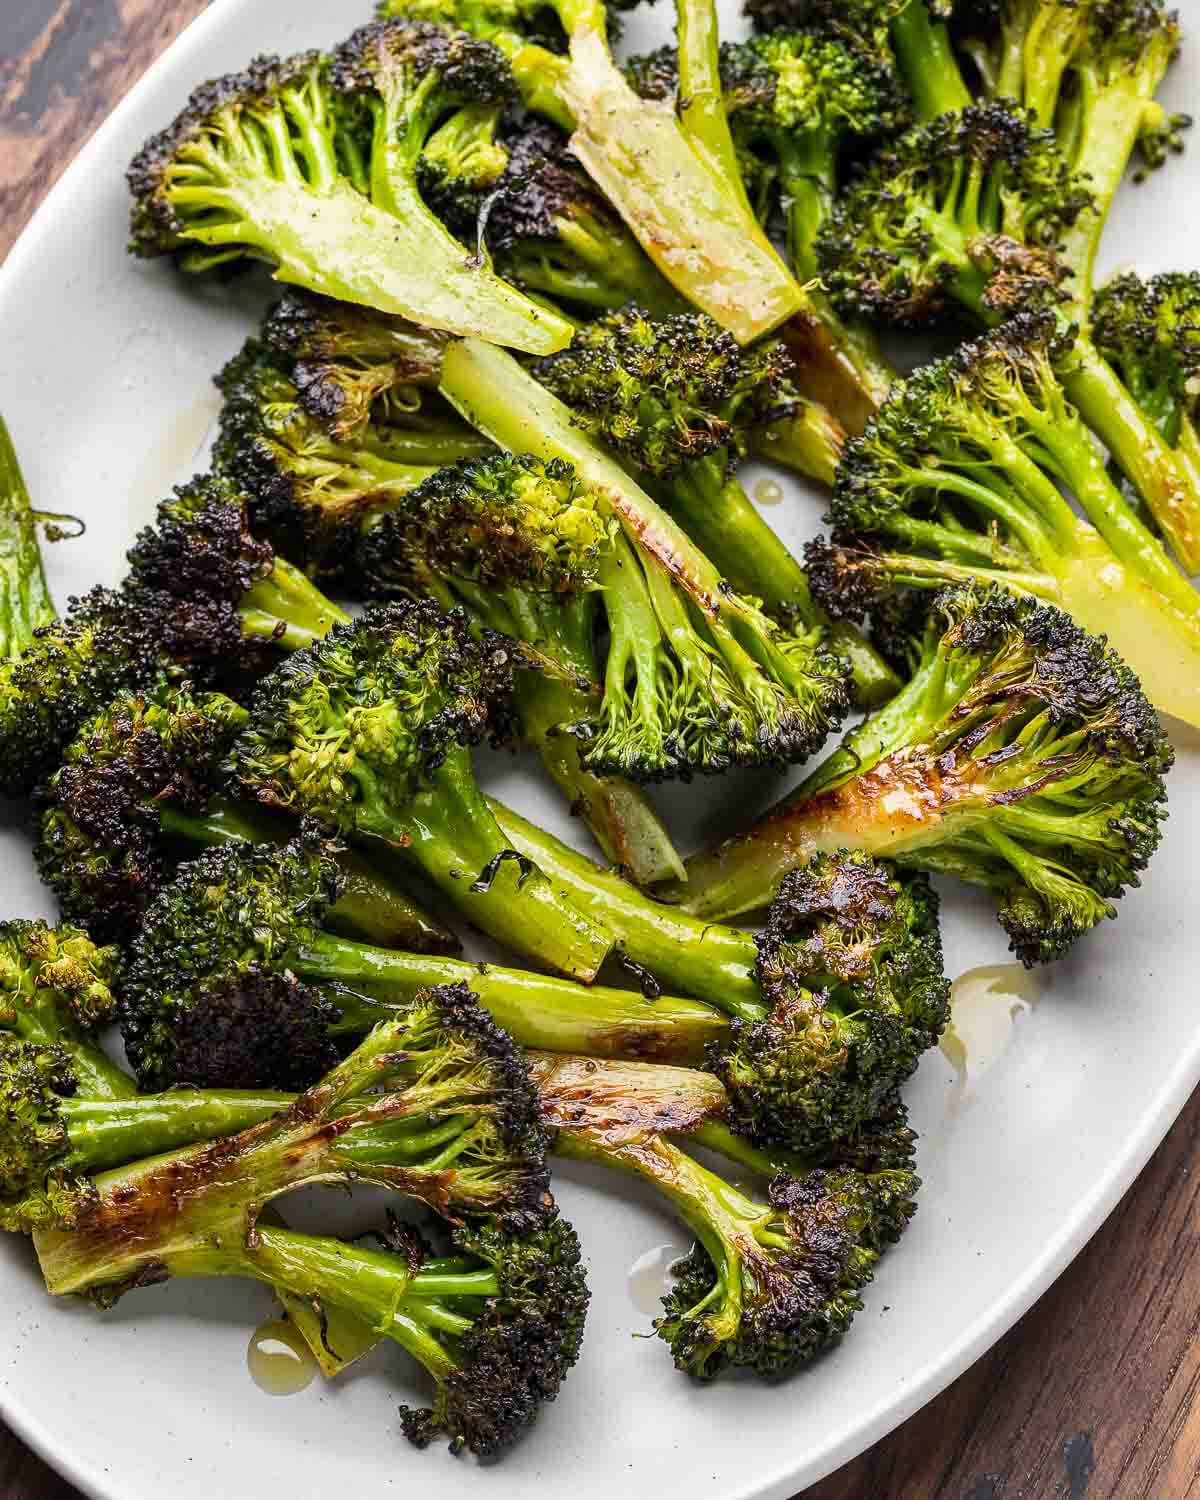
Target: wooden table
(1095, 1391)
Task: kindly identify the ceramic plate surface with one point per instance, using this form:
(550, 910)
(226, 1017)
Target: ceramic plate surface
(106, 386)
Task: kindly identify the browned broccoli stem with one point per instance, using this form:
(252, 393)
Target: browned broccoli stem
(25, 602)
(809, 440)
(370, 906)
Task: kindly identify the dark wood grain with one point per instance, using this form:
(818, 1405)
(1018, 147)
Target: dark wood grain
(1096, 1392)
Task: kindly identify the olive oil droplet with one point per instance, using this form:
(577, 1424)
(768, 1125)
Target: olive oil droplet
(985, 1006)
(768, 492)
(650, 1277)
(279, 1360)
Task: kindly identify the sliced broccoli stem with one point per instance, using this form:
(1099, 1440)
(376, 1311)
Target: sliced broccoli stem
(702, 99)
(25, 602)
(447, 830)
(618, 813)
(714, 963)
(370, 906)
(421, 447)
(808, 440)
(696, 227)
(537, 1009)
(713, 508)
(1155, 471)
(105, 1133)
(927, 60)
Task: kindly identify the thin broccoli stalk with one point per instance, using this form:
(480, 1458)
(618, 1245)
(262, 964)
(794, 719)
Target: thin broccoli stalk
(702, 98)
(287, 609)
(370, 906)
(807, 439)
(926, 58)
(502, 400)
(25, 602)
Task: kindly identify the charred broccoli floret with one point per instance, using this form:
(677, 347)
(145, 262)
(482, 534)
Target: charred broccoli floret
(961, 476)
(139, 784)
(1022, 757)
(369, 731)
(706, 681)
(678, 400)
(311, 164)
(308, 489)
(774, 1280)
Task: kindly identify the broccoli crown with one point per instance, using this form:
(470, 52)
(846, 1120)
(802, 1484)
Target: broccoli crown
(957, 416)
(193, 567)
(510, 519)
(221, 134)
(408, 74)
(520, 1346)
(56, 976)
(850, 967)
(1150, 331)
(654, 75)
(463, 161)
(368, 713)
(208, 997)
(791, 1272)
(34, 1080)
(99, 846)
(803, 92)
(1044, 756)
(540, 191)
(106, 642)
(969, 209)
(663, 393)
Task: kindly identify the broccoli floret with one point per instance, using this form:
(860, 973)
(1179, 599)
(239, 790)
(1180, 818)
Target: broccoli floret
(968, 209)
(309, 491)
(960, 477)
(310, 165)
(707, 680)
(369, 731)
(463, 161)
(56, 987)
(106, 642)
(640, 157)
(680, 401)
(1022, 757)
(773, 1281)
(351, 365)
(830, 1010)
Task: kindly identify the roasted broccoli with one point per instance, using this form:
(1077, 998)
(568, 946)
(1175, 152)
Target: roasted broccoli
(369, 731)
(680, 402)
(1023, 757)
(961, 476)
(308, 489)
(436, 1104)
(640, 156)
(25, 603)
(56, 987)
(139, 784)
(772, 1281)
(705, 681)
(310, 164)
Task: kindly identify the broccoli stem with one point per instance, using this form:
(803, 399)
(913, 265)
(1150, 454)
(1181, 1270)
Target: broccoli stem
(702, 99)
(697, 228)
(1157, 472)
(713, 963)
(618, 813)
(96, 1075)
(715, 511)
(603, 269)
(105, 1133)
(287, 608)
(927, 61)
(370, 906)
(448, 831)
(25, 602)
(537, 1009)
(809, 441)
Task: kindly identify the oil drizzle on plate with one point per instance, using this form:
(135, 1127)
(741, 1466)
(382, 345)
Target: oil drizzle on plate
(985, 1007)
(650, 1277)
(175, 453)
(768, 492)
(279, 1360)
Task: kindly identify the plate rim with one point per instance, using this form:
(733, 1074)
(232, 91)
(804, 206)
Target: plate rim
(1161, 1111)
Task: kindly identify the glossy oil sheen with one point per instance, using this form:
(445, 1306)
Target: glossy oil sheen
(278, 1360)
(1014, 1184)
